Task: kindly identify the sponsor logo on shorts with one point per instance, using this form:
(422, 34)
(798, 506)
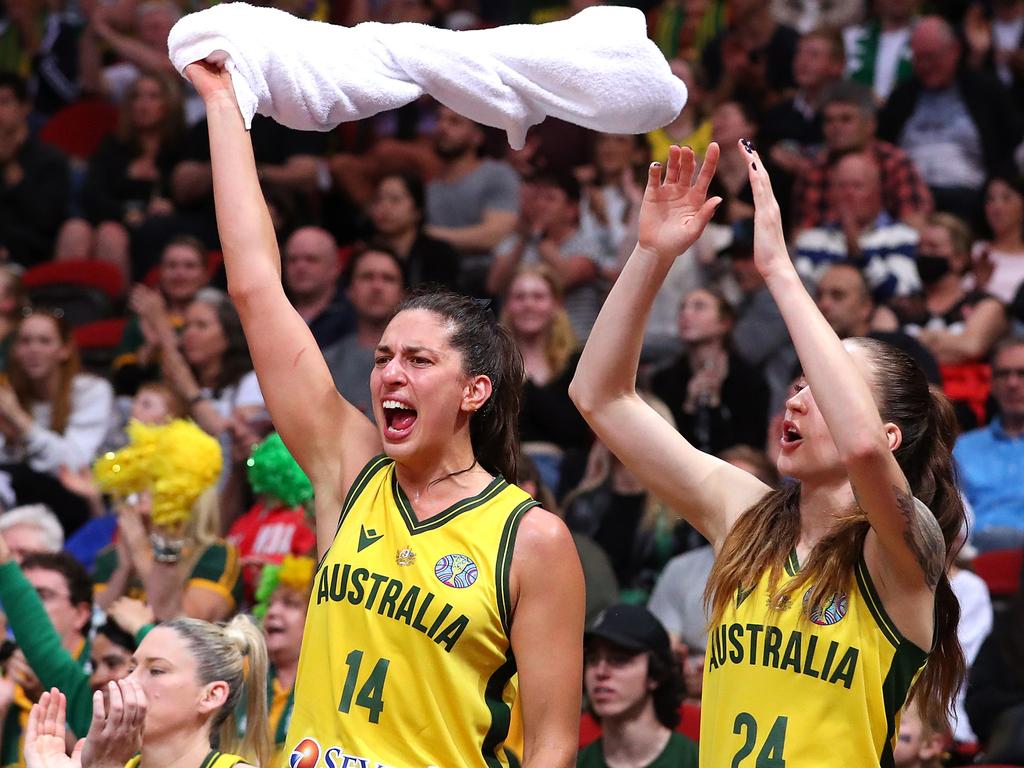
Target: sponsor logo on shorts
(305, 755)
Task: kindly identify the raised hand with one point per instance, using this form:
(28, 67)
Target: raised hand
(770, 254)
(44, 736)
(673, 215)
(210, 79)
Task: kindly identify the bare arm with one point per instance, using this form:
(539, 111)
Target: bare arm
(709, 493)
(547, 584)
(297, 173)
(504, 266)
(985, 325)
(495, 227)
(329, 438)
(907, 545)
(573, 269)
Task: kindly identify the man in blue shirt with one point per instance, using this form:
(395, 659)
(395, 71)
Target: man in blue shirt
(991, 459)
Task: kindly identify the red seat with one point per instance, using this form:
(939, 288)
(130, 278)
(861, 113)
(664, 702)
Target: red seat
(78, 128)
(91, 273)
(1000, 570)
(100, 334)
(689, 723)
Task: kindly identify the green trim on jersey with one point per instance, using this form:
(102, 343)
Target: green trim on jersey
(792, 564)
(504, 561)
(874, 603)
(415, 526)
(501, 713)
(902, 673)
(358, 486)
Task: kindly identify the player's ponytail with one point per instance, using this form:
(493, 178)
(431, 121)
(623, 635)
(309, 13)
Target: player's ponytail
(928, 427)
(487, 349)
(236, 654)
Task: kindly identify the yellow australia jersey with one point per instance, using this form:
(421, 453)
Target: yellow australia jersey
(786, 688)
(406, 660)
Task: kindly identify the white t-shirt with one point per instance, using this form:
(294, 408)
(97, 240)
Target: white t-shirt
(1007, 271)
(975, 625)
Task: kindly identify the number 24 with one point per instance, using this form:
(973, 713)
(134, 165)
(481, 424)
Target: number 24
(770, 755)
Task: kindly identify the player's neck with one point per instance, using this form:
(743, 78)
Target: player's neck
(635, 739)
(820, 505)
(180, 750)
(438, 483)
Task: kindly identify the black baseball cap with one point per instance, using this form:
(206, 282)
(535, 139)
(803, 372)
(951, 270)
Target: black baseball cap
(632, 627)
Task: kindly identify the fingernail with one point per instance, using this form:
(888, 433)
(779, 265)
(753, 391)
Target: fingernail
(754, 166)
(656, 165)
(747, 146)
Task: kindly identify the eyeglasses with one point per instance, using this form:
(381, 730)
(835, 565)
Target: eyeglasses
(55, 312)
(1004, 374)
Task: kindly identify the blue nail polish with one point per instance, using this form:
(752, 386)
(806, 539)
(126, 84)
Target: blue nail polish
(747, 146)
(754, 166)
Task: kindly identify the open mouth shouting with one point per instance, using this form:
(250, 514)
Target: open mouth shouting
(399, 419)
(791, 436)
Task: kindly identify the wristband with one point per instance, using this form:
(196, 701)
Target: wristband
(166, 550)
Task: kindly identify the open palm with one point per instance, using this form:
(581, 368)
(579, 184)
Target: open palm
(44, 737)
(674, 213)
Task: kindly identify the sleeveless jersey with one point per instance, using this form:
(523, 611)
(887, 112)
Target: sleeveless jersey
(406, 660)
(786, 688)
(213, 760)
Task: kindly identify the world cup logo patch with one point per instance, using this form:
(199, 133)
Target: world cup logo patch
(456, 571)
(305, 755)
(829, 612)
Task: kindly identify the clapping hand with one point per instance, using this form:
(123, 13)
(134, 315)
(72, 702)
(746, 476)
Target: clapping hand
(45, 734)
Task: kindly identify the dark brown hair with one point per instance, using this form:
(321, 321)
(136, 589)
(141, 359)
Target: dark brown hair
(487, 349)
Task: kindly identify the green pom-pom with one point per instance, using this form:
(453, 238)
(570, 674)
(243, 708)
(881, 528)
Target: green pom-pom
(273, 472)
(269, 577)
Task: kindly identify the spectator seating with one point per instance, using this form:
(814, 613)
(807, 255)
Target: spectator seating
(78, 129)
(86, 289)
(1001, 570)
(98, 342)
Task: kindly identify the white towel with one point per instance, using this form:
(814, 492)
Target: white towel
(597, 69)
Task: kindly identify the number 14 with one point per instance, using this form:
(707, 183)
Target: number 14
(371, 695)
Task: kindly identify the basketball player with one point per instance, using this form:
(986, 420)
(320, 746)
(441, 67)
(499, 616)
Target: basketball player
(177, 707)
(443, 593)
(828, 598)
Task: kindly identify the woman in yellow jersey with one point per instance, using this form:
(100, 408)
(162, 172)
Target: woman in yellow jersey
(828, 598)
(176, 707)
(443, 594)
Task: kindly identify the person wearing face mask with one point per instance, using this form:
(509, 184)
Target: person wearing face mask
(958, 326)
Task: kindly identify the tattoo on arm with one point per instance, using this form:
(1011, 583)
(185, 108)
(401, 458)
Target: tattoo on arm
(923, 536)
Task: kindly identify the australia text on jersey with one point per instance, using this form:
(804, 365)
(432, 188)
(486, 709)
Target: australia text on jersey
(770, 646)
(413, 604)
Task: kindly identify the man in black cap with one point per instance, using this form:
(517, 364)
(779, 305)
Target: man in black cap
(634, 688)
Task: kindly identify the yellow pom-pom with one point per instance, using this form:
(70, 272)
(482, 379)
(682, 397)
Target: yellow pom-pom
(176, 462)
(296, 573)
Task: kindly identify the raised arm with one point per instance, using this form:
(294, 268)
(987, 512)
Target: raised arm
(906, 543)
(330, 439)
(708, 492)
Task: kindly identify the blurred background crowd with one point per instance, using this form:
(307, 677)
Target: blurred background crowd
(894, 132)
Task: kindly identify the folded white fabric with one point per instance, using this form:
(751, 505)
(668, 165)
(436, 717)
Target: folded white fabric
(597, 69)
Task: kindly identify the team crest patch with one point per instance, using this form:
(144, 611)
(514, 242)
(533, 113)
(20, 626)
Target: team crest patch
(305, 755)
(831, 611)
(405, 556)
(456, 571)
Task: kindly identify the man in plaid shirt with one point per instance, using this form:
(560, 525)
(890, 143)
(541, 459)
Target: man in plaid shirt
(849, 127)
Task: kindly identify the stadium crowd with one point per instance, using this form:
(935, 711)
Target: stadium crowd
(894, 131)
